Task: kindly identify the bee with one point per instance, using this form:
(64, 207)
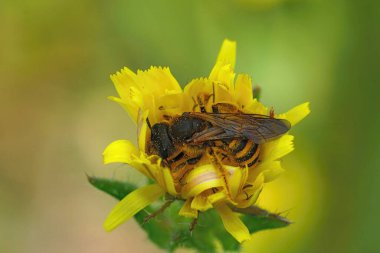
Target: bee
(227, 135)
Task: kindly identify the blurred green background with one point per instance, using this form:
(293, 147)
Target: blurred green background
(55, 61)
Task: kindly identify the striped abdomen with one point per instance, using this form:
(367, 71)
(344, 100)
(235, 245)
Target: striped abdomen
(244, 152)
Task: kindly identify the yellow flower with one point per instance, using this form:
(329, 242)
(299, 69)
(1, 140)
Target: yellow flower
(155, 94)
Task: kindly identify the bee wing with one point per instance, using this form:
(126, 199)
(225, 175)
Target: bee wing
(256, 127)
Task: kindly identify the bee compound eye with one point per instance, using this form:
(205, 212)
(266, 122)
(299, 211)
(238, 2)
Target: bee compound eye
(161, 140)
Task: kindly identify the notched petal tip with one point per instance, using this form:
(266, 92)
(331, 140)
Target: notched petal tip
(297, 113)
(278, 148)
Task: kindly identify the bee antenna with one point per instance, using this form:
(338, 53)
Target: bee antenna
(195, 103)
(148, 123)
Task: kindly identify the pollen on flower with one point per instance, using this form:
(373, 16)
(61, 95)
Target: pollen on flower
(211, 144)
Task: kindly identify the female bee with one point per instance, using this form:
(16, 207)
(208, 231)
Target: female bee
(231, 135)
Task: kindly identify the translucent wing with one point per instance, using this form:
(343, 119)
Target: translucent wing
(256, 127)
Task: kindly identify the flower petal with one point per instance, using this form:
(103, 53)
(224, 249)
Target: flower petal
(278, 148)
(273, 172)
(237, 179)
(127, 86)
(251, 192)
(157, 80)
(132, 204)
(270, 170)
(142, 90)
(243, 90)
(296, 114)
(194, 89)
(216, 197)
(223, 71)
(123, 151)
(120, 151)
(142, 129)
(131, 108)
(200, 179)
(256, 107)
(187, 211)
(227, 53)
(200, 202)
(169, 182)
(232, 223)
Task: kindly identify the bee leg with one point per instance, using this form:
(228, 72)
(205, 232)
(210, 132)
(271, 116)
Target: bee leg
(271, 112)
(193, 224)
(201, 105)
(215, 161)
(162, 208)
(224, 156)
(247, 197)
(195, 104)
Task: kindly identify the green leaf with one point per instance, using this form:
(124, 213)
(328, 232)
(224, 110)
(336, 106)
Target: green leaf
(119, 190)
(170, 231)
(256, 219)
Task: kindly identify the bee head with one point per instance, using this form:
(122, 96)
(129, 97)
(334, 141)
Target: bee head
(161, 140)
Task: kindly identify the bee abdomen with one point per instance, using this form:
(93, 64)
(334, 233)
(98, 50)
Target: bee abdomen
(237, 145)
(194, 160)
(246, 152)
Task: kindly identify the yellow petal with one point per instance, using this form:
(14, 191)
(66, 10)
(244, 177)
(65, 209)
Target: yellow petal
(278, 148)
(237, 179)
(243, 90)
(224, 94)
(296, 114)
(123, 80)
(271, 173)
(187, 211)
(227, 53)
(132, 204)
(200, 203)
(141, 90)
(126, 84)
(131, 108)
(197, 88)
(200, 179)
(216, 197)
(169, 182)
(251, 192)
(123, 151)
(170, 104)
(270, 169)
(157, 80)
(232, 223)
(256, 107)
(223, 71)
(142, 128)
(120, 151)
